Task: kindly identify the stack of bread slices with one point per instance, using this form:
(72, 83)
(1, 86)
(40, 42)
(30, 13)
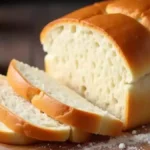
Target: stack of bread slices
(97, 78)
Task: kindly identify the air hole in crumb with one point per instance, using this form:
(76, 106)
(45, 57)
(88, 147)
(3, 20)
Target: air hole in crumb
(90, 32)
(83, 79)
(108, 90)
(71, 41)
(81, 56)
(83, 90)
(114, 54)
(93, 65)
(104, 50)
(119, 77)
(100, 90)
(70, 76)
(76, 63)
(63, 60)
(110, 62)
(107, 105)
(73, 29)
(115, 101)
(97, 44)
(109, 45)
(60, 29)
(112, 84)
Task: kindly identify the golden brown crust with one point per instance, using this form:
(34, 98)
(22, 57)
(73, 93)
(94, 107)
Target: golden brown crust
(145, 19)
(83, 13)
(77, 118)
(88, 11)
(137, 9)
(87, 121)
(21, 126)
(15, 138)
(132, 8)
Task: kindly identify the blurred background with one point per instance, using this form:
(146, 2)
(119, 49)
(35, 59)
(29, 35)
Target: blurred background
(21, 23)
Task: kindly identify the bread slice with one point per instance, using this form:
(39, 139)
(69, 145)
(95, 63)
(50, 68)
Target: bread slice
(8, 136)
(104, 57)
(60, 102)
(22, 117)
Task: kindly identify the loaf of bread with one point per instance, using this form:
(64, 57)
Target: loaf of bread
(60, 102)
(104, 55)
(23, 118)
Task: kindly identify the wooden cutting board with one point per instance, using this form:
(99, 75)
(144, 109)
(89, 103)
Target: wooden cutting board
(137, 141)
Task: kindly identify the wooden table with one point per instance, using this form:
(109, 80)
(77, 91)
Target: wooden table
(96, 143)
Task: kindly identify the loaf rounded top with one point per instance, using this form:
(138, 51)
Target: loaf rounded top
(129, 36)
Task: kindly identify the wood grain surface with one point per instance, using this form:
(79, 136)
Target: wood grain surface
(140, 139)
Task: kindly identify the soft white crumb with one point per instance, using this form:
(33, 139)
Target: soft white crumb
(122, 146)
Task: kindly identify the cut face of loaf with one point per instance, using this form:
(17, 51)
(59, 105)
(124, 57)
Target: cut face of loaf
(60, 102)
(22, 117)
(105, 58)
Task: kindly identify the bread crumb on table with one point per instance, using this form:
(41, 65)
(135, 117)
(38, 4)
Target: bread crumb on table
(122, 146)
(134, 132)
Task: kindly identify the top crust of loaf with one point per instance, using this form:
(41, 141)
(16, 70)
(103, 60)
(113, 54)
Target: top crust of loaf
(129, 36)
(137, 9)
(133, 8)
(88, 11)
(90, 122)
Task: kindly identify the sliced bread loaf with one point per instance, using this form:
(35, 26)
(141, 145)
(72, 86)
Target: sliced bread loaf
(9, 136)
(104, 57)
(22, 117)
(60, 102)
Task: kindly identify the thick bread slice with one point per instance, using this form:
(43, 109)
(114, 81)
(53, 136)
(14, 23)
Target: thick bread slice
(105, 58)
(9, 136)
(22, 117)
(59, 101)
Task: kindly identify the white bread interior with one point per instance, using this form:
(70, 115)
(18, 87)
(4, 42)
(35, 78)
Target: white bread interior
(107, 123)
(87, 61)
(27, 112)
